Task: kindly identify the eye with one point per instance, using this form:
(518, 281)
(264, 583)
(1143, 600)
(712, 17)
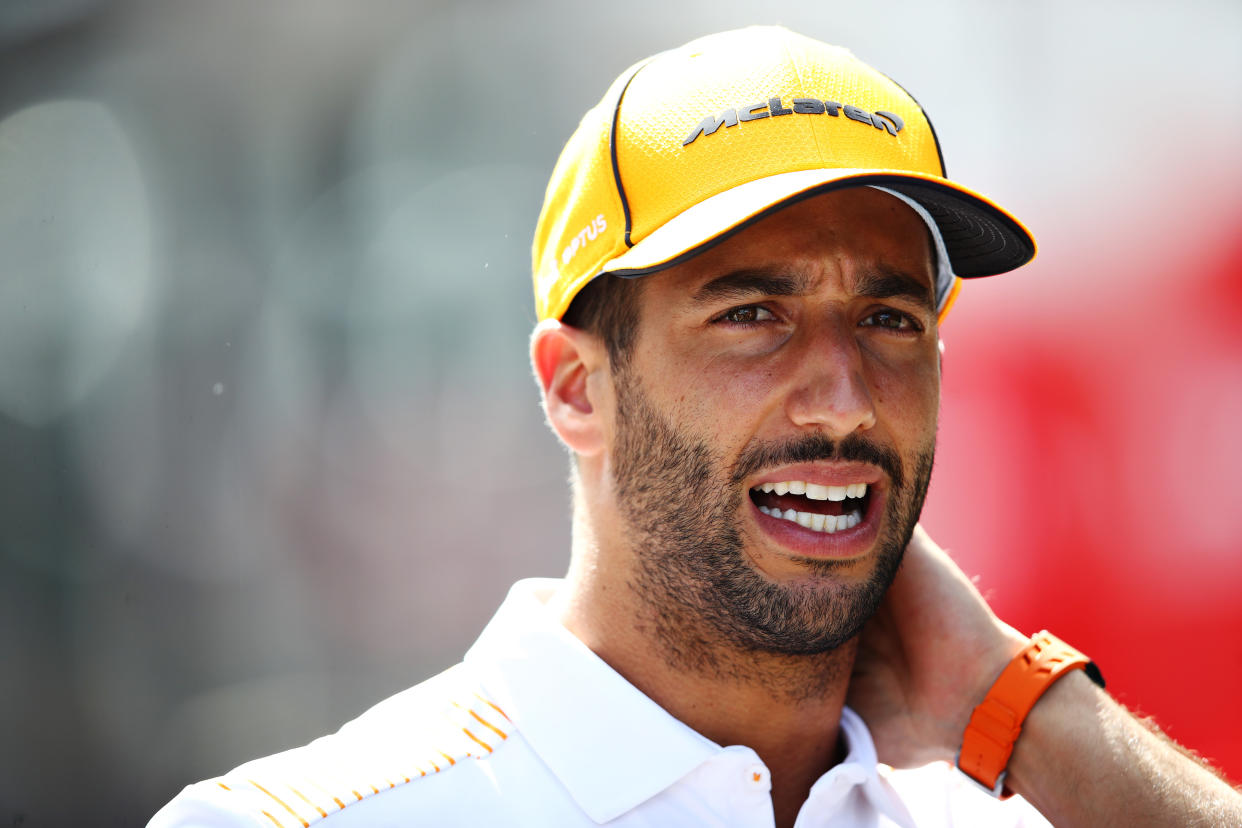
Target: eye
(747, 315)
(891, 319)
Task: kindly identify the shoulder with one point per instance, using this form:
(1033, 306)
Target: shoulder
(438, 730)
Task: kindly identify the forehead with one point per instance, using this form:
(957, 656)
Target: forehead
(843, 238)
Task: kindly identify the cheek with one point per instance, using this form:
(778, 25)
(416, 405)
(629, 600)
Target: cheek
(735, 384)
(720, 397)
(908, 399)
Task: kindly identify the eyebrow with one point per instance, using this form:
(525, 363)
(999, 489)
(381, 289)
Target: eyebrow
(743, 284)
(880, 283)
(886, 283)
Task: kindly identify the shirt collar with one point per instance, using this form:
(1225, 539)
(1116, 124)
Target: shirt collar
(562, 697)
(862, 767)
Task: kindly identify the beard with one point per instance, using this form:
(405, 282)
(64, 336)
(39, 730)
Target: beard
(683, 503)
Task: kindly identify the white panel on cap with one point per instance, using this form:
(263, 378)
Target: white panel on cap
(944, 270)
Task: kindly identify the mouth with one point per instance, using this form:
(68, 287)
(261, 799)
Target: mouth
(820, 508)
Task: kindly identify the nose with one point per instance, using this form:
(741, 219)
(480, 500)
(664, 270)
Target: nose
(830, 389)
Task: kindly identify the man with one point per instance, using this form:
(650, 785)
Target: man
(752, 621)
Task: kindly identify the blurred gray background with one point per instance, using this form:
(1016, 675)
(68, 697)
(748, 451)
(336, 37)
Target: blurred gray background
(270, 447)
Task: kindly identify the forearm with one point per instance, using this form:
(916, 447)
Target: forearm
(1082, 759)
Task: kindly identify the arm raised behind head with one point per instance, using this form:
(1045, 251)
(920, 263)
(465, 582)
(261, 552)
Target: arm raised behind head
(932, 652)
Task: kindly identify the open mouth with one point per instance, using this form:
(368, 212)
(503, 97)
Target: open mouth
(826, 509)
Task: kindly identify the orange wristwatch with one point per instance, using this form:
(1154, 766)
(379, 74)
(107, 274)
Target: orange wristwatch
(997, 721)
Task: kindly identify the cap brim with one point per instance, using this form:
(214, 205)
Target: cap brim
(981, 238)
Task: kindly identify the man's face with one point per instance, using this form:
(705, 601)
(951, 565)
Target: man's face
(801, 351)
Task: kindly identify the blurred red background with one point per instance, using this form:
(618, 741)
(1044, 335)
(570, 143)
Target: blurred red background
(1089, 468)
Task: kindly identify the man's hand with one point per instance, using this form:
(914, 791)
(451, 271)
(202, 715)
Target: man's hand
(931, 653)
(927, 658)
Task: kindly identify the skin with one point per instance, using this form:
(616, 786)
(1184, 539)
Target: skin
(830, 361)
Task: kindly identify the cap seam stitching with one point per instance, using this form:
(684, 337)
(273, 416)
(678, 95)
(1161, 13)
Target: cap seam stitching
(612, 150)
(819, 152)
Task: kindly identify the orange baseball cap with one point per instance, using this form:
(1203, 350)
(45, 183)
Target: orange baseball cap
(696, 143)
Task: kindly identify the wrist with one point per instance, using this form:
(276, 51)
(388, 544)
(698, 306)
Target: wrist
(1057, 716)
(992, 732)
(1008, 644)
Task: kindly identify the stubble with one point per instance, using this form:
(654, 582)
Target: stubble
(710, 610)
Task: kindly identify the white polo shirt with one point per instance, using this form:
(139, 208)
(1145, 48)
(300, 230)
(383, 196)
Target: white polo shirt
(533, 729)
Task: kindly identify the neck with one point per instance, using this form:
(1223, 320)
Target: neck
(787, 708)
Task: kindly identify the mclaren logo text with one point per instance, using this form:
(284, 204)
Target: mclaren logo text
(887, 121)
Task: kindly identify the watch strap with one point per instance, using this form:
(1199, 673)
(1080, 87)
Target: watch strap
(996, 723)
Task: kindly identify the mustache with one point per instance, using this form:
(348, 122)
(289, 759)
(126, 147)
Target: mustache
(816, 447)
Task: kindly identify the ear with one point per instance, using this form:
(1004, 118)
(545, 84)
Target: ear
(564, 359)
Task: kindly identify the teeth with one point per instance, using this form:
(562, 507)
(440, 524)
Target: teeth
(815, 491)
(827, 524)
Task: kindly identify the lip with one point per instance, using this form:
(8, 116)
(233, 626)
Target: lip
(834, 474)
(843, 544)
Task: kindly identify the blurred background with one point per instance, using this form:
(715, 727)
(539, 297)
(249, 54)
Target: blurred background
(269, 446)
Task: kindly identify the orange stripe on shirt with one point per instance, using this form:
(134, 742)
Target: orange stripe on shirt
(493, 707)
(321, 811)
(280, 802)
(273, 819)
(489, 725)
(452, 761)
(485, 745)
(338, 802)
